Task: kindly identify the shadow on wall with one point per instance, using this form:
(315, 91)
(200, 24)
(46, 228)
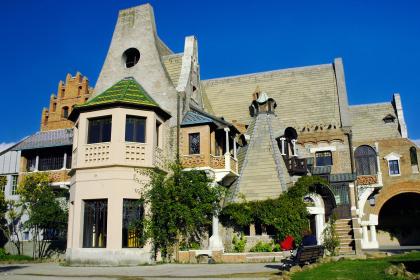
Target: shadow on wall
(399, 221)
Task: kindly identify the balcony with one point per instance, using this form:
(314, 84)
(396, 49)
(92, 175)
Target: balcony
(367, 180)
(226, 162)
(295, 166)
(56, 176)
(125, 153)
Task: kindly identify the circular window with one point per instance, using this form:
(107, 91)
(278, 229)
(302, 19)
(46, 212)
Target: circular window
(131, 57)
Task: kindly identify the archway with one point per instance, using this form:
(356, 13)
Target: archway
(399, 221)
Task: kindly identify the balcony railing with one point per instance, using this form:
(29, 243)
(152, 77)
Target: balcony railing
(55, 175)
(367, 180)
(295, 166)
(214, 162)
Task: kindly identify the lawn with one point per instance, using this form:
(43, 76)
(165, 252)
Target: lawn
(14, 258)
(370, 269)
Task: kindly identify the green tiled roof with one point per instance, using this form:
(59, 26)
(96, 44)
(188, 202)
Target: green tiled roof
(127, 90)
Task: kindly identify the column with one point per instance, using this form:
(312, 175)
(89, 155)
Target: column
(65, 161)
(282, 139)
(294, 147)
(36, 163)
(365, 235)
(215, 242)
(234, 148)
(227, 153)
(373, 234)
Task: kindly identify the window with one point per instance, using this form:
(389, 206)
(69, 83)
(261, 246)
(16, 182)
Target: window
(413, 160)
(50, 161)
(194, 143)
(54, 107)
(394, 168)
(323, 158)
(14, 185)
(135, 129)
(95, 223)
(132, 224)
(131, 57)
(366, 163)
(65, 112)
(157, 134)
(31, 163)
(99, 130)
(389, 118)
(26, 235)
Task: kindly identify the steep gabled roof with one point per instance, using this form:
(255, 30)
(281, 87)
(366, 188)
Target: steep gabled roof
(127, 92)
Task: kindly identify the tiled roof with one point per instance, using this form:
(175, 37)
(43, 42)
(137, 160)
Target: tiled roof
(317, 170)
(193, 117)
(52, 138)
(342, 177)
(127, 90)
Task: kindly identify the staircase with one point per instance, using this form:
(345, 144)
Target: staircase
(344, 230)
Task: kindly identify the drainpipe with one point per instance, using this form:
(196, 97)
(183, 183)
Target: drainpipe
(350, 139)
(178, 113)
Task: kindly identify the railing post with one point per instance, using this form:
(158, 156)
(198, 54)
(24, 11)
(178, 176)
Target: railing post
(294, 147)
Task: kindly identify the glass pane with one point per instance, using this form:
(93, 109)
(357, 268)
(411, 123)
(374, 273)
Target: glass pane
(323, 158)
(393, 167)
(99, 130)
(135, 129)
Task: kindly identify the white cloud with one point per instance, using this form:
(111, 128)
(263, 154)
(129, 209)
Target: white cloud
(4, 146)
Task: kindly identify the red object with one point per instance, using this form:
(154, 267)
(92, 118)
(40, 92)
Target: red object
(288, 243)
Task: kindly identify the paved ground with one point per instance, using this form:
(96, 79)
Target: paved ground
(50, 271)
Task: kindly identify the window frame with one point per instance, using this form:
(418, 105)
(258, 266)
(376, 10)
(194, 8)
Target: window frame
(323, 157)
(134, 130)
(125, 234)
(101, 134)
(393, 157)
(369, 154)
(14, 185)
(395, 163)
(103, 227)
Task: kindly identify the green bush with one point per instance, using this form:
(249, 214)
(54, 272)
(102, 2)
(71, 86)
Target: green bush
(262, 247)
(3, 253)
(239, 243)
(277, 247)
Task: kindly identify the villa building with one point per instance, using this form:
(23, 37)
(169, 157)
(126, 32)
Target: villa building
(255, 134)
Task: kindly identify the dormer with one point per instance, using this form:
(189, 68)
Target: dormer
(262, 104)
(121, 126)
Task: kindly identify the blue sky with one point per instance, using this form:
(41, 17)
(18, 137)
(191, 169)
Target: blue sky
(379, 41)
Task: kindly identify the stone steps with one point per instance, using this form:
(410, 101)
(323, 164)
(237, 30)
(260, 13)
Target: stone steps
(344, 230)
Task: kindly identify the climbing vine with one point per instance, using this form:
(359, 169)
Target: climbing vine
(287, 214)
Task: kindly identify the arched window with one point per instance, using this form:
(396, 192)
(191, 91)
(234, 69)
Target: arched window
(365, 157)
(65, 112)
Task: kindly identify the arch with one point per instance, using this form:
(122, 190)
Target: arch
(365, 158)
(388, 192)
(399, 220)
(290, 133)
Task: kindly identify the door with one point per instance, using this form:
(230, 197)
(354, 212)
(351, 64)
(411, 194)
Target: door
(342, 199)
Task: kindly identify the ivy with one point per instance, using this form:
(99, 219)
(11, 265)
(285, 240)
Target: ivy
(287, 214)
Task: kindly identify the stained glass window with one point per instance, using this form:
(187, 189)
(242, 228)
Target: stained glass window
(194, 143)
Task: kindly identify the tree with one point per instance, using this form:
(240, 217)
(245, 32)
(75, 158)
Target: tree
(47, 216)
(182, 205)
(3, 210)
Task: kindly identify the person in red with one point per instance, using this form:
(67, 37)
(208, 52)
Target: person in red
(288, 243)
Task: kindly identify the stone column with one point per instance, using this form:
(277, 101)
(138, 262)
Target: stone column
(365, 235)
(215, 242)
(64, 161)
(294, 147)
(378, 163)
(234, 148)
(282, 139)
(373, 234)
(36, 163)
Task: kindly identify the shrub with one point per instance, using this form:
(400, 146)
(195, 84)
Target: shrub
(3, 253)
(262, 247)
(239, 243)
(331, 239)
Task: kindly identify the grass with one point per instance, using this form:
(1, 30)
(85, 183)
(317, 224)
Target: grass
(13, 258)
(371, 269)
